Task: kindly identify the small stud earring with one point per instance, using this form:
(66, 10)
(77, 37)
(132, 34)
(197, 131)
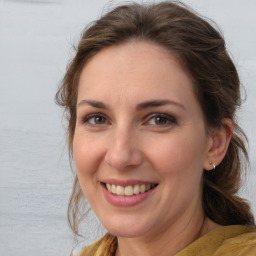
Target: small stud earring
(213, 165)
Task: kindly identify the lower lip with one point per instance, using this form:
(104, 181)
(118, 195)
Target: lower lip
(126, 201)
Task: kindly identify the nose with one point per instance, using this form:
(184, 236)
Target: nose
(123, 150)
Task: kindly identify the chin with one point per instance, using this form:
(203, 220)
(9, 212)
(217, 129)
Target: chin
(127, 229)
(127, 233)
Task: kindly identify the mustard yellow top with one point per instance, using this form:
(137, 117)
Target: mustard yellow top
(226, 241)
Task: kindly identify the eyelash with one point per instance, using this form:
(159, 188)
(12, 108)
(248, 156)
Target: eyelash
(87, 118)
(168, 119)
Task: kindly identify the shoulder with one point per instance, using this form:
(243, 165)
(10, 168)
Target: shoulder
(243, 244)
(106, 246)
(225, 241)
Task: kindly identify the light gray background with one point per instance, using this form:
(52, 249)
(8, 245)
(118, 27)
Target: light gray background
(36, 38)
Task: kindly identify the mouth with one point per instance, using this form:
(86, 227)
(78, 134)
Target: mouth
(129, 190)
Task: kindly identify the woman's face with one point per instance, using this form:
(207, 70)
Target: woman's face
(140, 144)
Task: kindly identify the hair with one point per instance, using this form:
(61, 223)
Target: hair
(201, 50)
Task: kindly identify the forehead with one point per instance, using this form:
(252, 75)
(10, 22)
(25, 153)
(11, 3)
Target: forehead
(137, 68)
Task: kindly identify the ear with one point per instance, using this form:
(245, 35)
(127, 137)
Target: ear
(218, 144)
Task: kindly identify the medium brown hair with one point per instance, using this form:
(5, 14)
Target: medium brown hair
(202, 52)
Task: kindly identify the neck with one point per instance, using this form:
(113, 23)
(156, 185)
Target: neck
(168, 241)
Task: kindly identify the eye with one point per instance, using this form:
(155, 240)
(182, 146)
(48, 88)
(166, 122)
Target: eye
(94, 119)
(161, 120)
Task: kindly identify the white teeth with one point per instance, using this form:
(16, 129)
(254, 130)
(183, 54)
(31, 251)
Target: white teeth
(128, 190)
(136, 189)
(108, 187)
(119, 190)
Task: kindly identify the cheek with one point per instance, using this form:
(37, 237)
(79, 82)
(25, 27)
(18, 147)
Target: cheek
(179, 155)
(87, 153)
(86, 157)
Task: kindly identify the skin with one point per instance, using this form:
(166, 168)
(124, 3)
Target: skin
(118, 138)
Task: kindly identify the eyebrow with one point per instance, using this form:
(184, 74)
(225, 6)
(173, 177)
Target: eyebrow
(93, 103)
(140, 106)
(158, 103)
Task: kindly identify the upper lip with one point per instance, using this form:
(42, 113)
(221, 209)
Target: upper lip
(125, 183)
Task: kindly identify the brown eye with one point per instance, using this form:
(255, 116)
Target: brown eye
(98, 120)
(95, 119)
(161, 120)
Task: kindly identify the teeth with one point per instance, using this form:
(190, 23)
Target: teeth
(136, 189)
(119, 190)
(128, 190)
(109, 187)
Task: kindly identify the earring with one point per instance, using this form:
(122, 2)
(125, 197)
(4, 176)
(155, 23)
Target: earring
(213, 165)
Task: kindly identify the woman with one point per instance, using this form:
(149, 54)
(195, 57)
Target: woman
(151, 97)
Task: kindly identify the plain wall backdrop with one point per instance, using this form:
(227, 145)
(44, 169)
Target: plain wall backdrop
(36, 39)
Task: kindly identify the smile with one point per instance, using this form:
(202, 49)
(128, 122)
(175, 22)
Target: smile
(129, 190)
(127, 193)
